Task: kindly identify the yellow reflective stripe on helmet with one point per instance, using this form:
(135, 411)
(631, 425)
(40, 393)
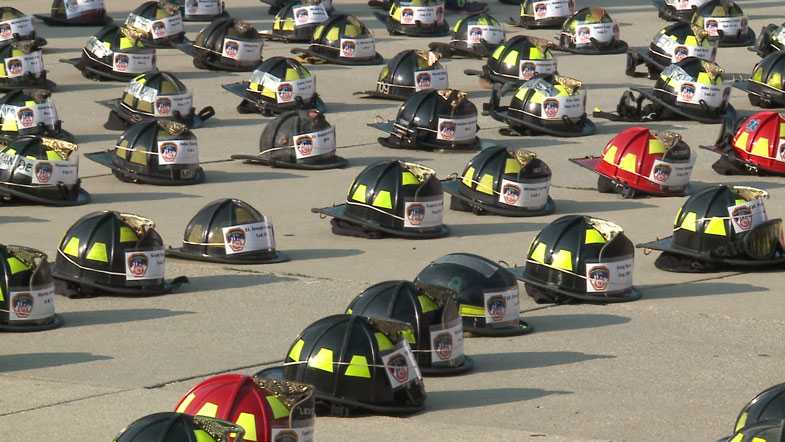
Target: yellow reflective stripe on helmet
(538, 254)
(288, 24)
(279, 408)
(656, 146)
(761, 147)
(536, 53)
(408, 178)
(127, 235)
(629, 162)
(209, 409)
(468, 176)
(297, 348)
(427, 304)
(185, 403)
(395, 13)
(757, 74)
(138, 157)
(383, 341)
(562, 90)
(498, 52)
(409, 336)
(759, 439)
(738, 438)
(323, 360)
(690, 40)
(486, 184)
(359, 193)
(317, 33)
(775, 80)
(593, 236)
(457, 25)
(352, 31)
(53, 155)
(471, 311)
(2, 295)
(782, 130)
(741, 422)
(511, 165)
(716, 226)
(72, 247)
(562, 260)
(348, 311)
(16, 265)
(741, 141)
(358, 367)
(690, 222)
(30, 103)
(703, 78)
(126, 43)
(610, 154)
(203, 436)
(538, 97)
(383, 199)
(98, 252)
(248, 422)
(511, 58)
(9, 125)
(333, 34)
(676, 221)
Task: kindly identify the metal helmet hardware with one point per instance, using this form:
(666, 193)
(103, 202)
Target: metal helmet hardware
(76, 13)
(178, 427)
(296, 21)
(391, 198)
(297, 140)
(344, 40)
(22, 66)
(766, 87)
(499, 181)
(115, 53)
(26, 291)
(30, 112)
(671, 44)
(226, 44)
(160, 22)
(473, 36)
(591, 31)
(724, 20)
(201, 10)
(752, 146)
(16, 26)
(415, 18)
(408, 72)
(721, 227)
(678, 10)
(771, 39)
(544, 14)
(436, 337)
(578, 258)
(521, 58)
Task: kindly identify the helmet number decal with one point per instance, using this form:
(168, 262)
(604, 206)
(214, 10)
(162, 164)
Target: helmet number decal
(242, 51)
(456, 129)
(446, 342)
(249, 238)
(22, 26)
(728, 25)
(423, 213)
(427, 15)
(745, 217)
(167, 105)
(531, 195)
(502, 309)
(75, 8)
(127, 62)
(552, 9)
(694, 93)
(357, 48)
(609, 276)
(430, 79)
(144, 265)
(32, 304)
(315, 143)
(308, 15)
(400, 366)
(528, 69)
(32, 63)
(203, 7)
(178, 152)
(476, 34)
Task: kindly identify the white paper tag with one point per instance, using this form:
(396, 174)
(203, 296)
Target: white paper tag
(243, 51)
(138, 22)
(307, 15)
(457, 129)
(671, 174)
(610, 276)
(32, 63)
(683, 5)
(30, 116)
(401, 367)
(730, 26)
(528, 69)
(166, 27)
(601, 32)
(315, 143)
(572, 106)
(423, 213)
(680, 52)
(552, 8)
(357, 48)
(178, 152)
(527, 195)
(502, 308)
(745, 217)
(427, 15)
(493, 35)
(167, 105)
(249, 237)
(781, 150)
(96, 47)
(693, 93)
(32, 305)
(302, 434)
(287, 91)
(144, 265)
(75, 8)
(43, 172)
(446, 342)
(133, 63)
(203, 7)
(432, 79)
(22, 26)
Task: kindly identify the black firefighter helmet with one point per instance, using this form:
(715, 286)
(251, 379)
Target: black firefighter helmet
(433, 120)
(344, 40)
(201, 10)
(408, 72)
(671, 44)
(160, 23)
(229, 231)
(41, 171)
(724, 19)
(357, 365)
(76, 13)
(771, 39)
(22, 67)
(296, 20)
(276, 5)
(112, 252)
(505, 182)
(26, 291)
(678, 10)
(766, 87)
(486, 293)
(391, 198)
(475, 35)
(16, 26)
(415, 18)
(162, 153)
(179, 427)
(521, 58)
(155, 95)
(766, 406)
(279, 84)
(30, 112)
(544, 14)
(766, 431)
(579, 258)
(301, 139)
(721, 227)
(436, 337)
(591, 31)
(226, 44)
(114, 53)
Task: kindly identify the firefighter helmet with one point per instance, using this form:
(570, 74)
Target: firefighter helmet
(678, 10)
(16, 26)
(343, 39)
(22, 67)
(160, 23)
(76, 13)
(27, 287)
(475, 35)
(591, 31)
(724, 19)
(771, 39)
(544, 14)
(226, 44)
(201, 10)
(672, 44)
(752, 146)
(521, 58)
(766, 87)
(114, 53)
(408, 72)
(178, 427)
(296, 20)
(30, 112)
(415, 18)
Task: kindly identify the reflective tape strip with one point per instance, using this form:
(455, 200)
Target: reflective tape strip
(716, 226)
(383, 341)
(593, 236)
(383, 199)
(358, 367)
(359, 193)
(562, 260)
(297, 348)
(427, 304)
(323, 360)
(185, 403)
(279, 408)
(16, 265)
(98, 252)
(471, 311)
(408, 178)
(127, 235)
(374, 208)
(538, 255)
(248, 422)
(72, 246)
(209, 409)
(88, 268)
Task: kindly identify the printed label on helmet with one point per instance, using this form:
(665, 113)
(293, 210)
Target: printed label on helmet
(138, 22)
(249, 237)
(243, 51)
(446, 342)
(457, 129)
(572, 106)
(426, 15)
(32, 63)
(22, 26)
(25, 117)
(357, 48)
(315, 143)
(400, 366)
(133, 63)
(144, 265)
(432, 79)
(75, 8)
(502, 309)
(476, 34)
(287, 91)
(609, 277)
(695, 93)
(43, 172)
(528, 69)
(302, 434)
(552, 8)
(203, 7)
(730, 26)
(601, 32)
(178, 152)
(745, 217)
(95, 47)
(167, 105)
(671, 174)
(781, 150)
(166, 27)
(679, 52)
(683, 5)
(527, 195)
(32, 304)
(423, 213)
(307, 15)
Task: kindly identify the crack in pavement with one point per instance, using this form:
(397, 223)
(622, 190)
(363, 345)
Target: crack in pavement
(65, 402)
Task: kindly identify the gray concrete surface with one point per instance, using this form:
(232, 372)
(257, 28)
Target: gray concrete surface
(676, 365)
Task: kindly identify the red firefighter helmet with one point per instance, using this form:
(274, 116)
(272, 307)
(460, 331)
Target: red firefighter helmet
(760, 142)
(268, 410)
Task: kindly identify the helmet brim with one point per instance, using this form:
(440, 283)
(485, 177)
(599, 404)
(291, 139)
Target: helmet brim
(264, 107)
(748, 39)
(52, 322)
(396, 28)
(467, 366)
(329, 57)
(82, 198)
(584, 128)
(633, 294)
(548, 23)
(377, 94)
(686, 113)
(161, 289)
(394, 142)
(340, 212)
(523, 328)
(618, 47)
(105, 159)
(205, 18)
(163, 43)
(774, 97)
(247, 258)
(102, 74)
(453, 187)
(454, 49)
(37, 84)
(58, 21)
(188, 48)
(120, 117)
(666, 245)
(669, 13)
(335, 162)
(590, 163)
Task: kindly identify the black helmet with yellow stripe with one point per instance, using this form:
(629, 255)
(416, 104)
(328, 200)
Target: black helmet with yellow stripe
(26, 291)
(226, 44)
(437, 330)
(279, 84)
(518, 59)
(486, 293)
(22, 66)
(544, 14)
(30, 112)
(201, 10)
(473, 36)
(163, 153)
(391, 198)
(501, 181)
(766, 431)
(721, 227)
(591, 31)
(357, 365)
(76, 13)
(771, 39)
(276, 5)
(297, 19)
(678, 10)
(579, 258)
(766, 87)
(114, 53)
(672, 44)
(766, 407)
(343, 39)
(42, 171)
(16, 26)
(160, 23)
(408, 72)
(179, 427)
(415, 18)
(112, 252)
(724, 19)
(155, 95)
